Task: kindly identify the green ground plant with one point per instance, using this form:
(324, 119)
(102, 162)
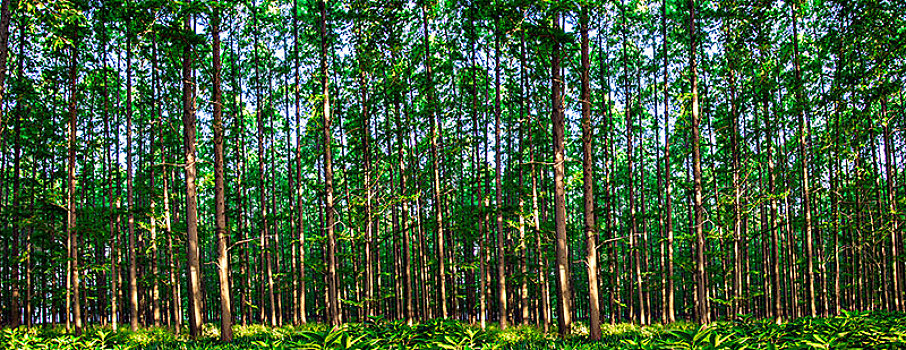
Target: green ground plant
(876, 330)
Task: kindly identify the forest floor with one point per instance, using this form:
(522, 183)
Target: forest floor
(876, 330)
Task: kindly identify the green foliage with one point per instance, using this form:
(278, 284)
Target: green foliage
(878, 330)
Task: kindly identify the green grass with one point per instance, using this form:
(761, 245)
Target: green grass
(878, 330)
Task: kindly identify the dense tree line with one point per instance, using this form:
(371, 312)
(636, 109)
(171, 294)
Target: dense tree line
(283, 162)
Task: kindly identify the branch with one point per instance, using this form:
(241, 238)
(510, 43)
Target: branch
(244, 241)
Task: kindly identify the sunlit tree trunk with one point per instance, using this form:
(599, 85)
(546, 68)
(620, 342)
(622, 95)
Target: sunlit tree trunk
(192, 253)
(564, 293)
(333, 307)
(702, 310)
(223, 258)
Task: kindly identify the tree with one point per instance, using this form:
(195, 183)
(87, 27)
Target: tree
(501, 243)
(332, 299)
(193, 265)
(71, 232)
(223, 258)
(591, 235)
(703, 312)
(564, 290)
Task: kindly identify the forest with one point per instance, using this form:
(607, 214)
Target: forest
(452, 174)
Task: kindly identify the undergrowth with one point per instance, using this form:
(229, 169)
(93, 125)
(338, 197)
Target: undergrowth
(877, 330)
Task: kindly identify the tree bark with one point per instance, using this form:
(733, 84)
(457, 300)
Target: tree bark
(803, 153)
(703, 314)
(223, 258)
(501, 243)
(670, 305)
(300, 210)
(193, 265)
(332, 300)
(71, 232)
(564, 293)
(5, 17)
(591, 234)
(438, 199)
(130, 202)
(15, 285)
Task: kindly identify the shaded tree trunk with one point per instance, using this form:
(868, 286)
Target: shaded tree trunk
(71, 232)
(501, 243)
(803, 153)
(591, 234)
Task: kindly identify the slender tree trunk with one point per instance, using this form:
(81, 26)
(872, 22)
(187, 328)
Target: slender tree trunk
(892, 205)
(438, 199)
(193, 265)
(525, 101)
(774, 223)
(564, 293)
(155, 270)
(130, 202)
(670, 305)
(333, 301)
(223, 258)
(15, 297)
(501, 243)
(591, 234)
(71, 232)
(5, 17)
(737, 191)
(109, 169)
(300, 210)
(369, 301)
(703, 312)
(803, 153)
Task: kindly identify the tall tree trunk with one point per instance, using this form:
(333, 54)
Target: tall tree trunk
(737, 191)
(564, 313)
(193, 265)
(332, 300)
(300, 210)
(670, 305)
(130, 202)
(892, 205)
(501, 243)
(369, 302)
(774, 223)
(155, 270)
(5, 17)
(223, 258)
(15, 285)
(803, 153)
(591, 234)
(108, 164)
(703, 313)
(438, 199)
(71, 232)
